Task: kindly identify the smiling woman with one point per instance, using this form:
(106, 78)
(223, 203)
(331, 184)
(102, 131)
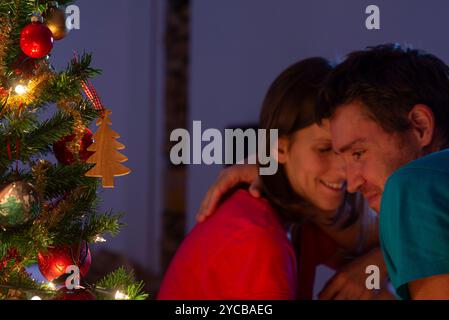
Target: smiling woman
(311, 177)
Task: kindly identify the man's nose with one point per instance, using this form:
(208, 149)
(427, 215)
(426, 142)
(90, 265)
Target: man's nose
(354, 179)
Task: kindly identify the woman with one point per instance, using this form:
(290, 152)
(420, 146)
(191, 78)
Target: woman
(243, 251)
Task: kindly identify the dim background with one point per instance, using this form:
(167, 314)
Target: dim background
(166, 63)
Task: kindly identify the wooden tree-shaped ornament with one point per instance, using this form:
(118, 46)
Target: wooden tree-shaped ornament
(106, 157)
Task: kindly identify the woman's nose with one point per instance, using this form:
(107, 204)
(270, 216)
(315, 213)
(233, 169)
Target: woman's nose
(340, 166)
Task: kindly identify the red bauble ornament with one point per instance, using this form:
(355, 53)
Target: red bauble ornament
(78, 294)
(36, 40)
(63, 153)
(53, 263)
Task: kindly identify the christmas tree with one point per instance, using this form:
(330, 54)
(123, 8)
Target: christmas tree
(48, 208)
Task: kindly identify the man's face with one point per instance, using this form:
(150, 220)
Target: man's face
(369, 152)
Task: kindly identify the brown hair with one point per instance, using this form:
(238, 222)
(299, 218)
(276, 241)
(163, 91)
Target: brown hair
(290, 105)
(389, 80)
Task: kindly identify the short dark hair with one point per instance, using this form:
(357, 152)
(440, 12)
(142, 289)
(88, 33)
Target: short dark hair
(389, 80)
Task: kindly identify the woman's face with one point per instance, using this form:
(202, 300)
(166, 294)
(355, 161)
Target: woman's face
(315, 172)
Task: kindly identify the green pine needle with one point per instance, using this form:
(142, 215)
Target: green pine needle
(123, 281)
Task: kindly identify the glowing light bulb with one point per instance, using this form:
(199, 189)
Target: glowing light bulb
(51, 285)
(20, 89)
(36, 298)
(121, 296)
(100, 239)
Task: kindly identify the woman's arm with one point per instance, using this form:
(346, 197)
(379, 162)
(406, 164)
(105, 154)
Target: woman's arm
(228, 179)
(350, 282)
(361, 239)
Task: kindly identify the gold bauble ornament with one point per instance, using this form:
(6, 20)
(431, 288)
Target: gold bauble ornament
(55, 19)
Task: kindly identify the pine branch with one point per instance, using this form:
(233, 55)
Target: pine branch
(87, 111)
(66, 84)
(40, 140)
(91, 228)
(24, 287)
(62, 179)
(101, 224)
(123, 281)
(16, 126)
(76, 208)
(58, 87)
(28, 240)
(13, 129)
(80, 68)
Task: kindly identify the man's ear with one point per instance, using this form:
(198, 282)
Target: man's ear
(423, 124)
(281, 150)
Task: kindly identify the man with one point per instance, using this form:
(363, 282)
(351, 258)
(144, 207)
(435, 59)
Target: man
(389, 106)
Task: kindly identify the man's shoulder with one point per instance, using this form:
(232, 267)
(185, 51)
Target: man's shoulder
(413, 220)
(436, 161)
(417, 185)
(434, 166)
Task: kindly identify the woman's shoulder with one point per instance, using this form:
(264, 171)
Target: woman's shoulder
(242, 213)
(242, 207)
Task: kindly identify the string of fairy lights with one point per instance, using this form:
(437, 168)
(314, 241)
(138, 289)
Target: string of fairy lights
(50, 288)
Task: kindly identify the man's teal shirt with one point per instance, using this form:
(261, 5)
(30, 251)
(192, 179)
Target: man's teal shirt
(414, 221)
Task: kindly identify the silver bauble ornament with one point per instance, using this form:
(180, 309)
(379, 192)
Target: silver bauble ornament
(19, 204)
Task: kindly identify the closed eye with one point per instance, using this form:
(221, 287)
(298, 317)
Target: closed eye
(325, 150)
